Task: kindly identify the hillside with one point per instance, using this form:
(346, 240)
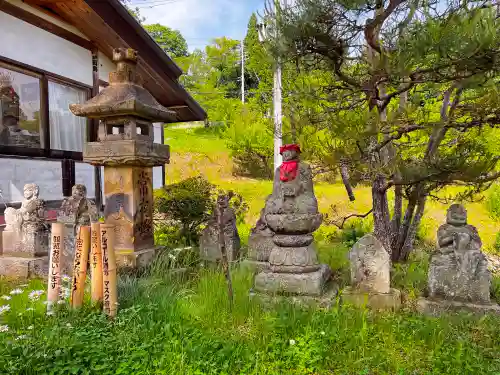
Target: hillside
(197, 150)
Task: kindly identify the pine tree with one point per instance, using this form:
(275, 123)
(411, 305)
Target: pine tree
(408, 93)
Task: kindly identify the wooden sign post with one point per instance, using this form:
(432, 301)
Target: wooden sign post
(82, 249)
(96, 264)
(110, 292)
(57, 248)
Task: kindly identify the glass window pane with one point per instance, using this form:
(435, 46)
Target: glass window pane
(19, 109)
(67, 131)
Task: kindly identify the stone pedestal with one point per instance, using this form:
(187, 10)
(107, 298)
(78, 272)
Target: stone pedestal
(370, 277)
(435, 307)
(372, 300)
(24, 255)
(293, 265)
(304, 284)
(129, 206)
(25, 245)
(18, 267)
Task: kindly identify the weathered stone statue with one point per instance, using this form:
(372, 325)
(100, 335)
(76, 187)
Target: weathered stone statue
(25, 236)
(75, 211)
(26, 232)
(458, 270)
(209, 240)
(291, 212)
(260, 244)
(78, 210)
(370, 276)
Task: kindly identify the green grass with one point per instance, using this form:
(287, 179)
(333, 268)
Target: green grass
(168, 327)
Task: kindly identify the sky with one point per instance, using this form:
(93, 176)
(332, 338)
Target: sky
(200, 21)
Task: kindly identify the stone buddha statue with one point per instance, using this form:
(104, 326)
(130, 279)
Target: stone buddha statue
(209, 240)
(26, 230)
(293, 191)
(77, 209)
(31, 215)
(458, 269)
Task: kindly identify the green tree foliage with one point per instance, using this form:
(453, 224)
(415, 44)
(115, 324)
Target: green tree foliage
(170, 41)
(405, 92)
(187, 206)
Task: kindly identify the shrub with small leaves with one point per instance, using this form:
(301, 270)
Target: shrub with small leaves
(182, 209)
(493, 202)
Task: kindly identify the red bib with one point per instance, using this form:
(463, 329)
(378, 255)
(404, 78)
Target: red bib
(288, 170)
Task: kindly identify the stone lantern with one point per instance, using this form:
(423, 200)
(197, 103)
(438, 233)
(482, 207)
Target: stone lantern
(126, 112)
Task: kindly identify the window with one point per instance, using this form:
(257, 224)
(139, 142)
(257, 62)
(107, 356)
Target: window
(67, 131)
(19, 109)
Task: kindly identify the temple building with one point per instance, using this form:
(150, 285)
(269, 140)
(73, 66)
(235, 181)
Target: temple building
(56, 53)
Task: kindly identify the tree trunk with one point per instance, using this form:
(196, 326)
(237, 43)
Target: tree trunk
(381, 223)
(344, 173)
(412, 232)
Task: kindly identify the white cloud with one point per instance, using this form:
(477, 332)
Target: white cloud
(199, 21)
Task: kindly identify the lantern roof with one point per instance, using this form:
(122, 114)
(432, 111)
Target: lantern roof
(125, 95)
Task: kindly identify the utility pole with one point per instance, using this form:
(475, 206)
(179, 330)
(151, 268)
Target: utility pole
(277, 103)
(242, 72)
(277, 97)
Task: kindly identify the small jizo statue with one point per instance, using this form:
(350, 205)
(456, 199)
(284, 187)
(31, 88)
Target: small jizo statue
(370, 266)
(458, 269)
(77, 209)
(293, 191)
(26, 232)
(209, 241)
(31, 216)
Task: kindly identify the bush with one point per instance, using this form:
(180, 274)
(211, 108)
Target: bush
(493, 202)
(185, 205)
(182, 209)
(251, 145)
(496, 245)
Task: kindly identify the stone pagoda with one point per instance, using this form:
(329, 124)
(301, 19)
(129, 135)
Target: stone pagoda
(126, 112)
(291, 212)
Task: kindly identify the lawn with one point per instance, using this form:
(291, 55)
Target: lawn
(166, 326)
(182, 323)
(201, 151)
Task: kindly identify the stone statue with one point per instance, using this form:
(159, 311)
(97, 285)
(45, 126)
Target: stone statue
(293, 191)
(458, 269)
(260, 242)
(370, 276)
(31, 216)
(26, 230)
(370, 266)
(77, 209)
(291, 213)
(209, 241)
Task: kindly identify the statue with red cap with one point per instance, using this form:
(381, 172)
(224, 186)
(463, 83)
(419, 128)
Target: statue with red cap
(293, 190)
(291, 213)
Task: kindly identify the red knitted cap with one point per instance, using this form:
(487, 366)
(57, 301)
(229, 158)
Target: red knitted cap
(291, 147)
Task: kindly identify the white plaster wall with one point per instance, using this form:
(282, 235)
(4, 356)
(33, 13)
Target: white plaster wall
(31, 45)
(157, 171)
(18, 172)
(105, 66)
(84, 174)
(45, 16)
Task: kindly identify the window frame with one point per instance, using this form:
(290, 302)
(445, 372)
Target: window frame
(45, 151)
